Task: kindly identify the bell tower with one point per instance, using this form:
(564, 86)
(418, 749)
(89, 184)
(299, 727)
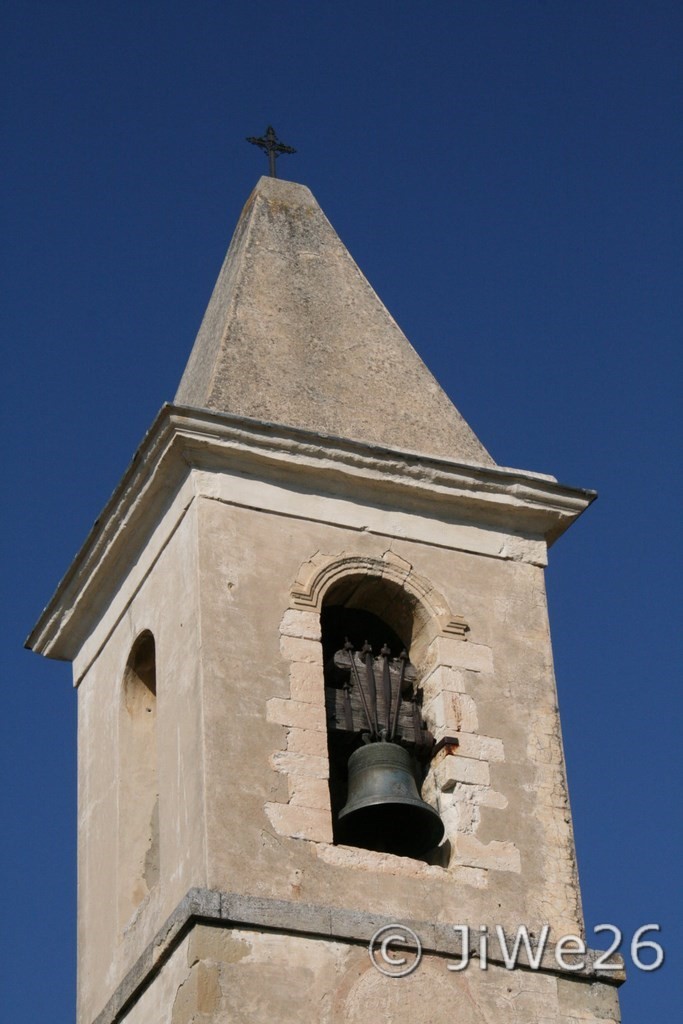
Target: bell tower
(315, 687)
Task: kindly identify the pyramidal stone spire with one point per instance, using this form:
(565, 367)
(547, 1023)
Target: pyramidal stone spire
(294, 334)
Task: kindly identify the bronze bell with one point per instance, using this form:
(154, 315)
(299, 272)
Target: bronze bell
(384, 810)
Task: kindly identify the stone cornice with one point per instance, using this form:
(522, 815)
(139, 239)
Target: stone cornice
(181, 439)
(233, 910)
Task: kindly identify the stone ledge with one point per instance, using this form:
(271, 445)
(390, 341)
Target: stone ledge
(182, 439)
(198, 904)
(338, 923)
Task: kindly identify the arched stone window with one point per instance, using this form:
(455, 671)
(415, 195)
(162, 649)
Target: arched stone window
(138, 778)
(384, 598)
(371, 694)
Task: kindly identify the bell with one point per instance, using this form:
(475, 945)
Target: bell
(384, 810)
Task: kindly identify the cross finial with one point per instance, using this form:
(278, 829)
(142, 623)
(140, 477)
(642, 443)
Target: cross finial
(271, 145)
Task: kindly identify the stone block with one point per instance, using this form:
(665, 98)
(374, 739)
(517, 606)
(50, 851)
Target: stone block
(293, 648)
(450, 713)
(356, 924)
(455, 768)
(520, 549)
(450, 651)
(279, 914)
(202, 903)
(378, 863)
(301, 764)
(296, 713)
(461, 816)
(306, 683)
(301, 822)
(306, 741)
(443, 677)
(485, 748)
(306, 791)
(305, 625)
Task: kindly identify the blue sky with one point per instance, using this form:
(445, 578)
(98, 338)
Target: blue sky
(507, 175)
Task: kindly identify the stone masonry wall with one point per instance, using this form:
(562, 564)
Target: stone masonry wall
(249, 976)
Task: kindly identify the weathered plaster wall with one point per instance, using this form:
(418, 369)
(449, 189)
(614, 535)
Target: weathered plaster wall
(516, 867)
(241, 742)
(247, 977)
(167, 604)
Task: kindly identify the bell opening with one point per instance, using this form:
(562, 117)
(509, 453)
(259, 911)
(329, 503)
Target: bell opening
(371, 694)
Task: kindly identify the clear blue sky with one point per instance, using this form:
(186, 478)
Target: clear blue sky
(507, 174)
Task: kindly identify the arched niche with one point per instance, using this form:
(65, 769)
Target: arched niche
(138, 777)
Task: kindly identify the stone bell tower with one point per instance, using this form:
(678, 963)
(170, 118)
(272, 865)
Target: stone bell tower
(312, 554)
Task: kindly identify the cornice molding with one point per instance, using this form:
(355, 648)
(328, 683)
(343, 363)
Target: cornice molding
(237, 911)
(182, 439)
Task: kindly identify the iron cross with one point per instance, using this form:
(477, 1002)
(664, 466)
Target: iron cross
(270, 144)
